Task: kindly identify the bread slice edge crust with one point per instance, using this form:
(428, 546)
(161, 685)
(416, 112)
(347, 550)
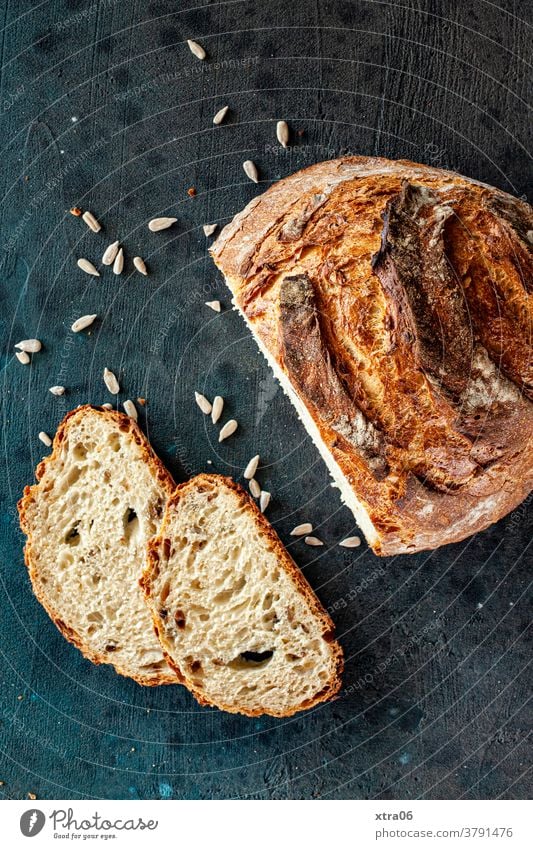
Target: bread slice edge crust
(331, 690)
(29, 496)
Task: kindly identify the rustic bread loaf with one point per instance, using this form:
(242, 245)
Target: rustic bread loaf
(237, 620)
(100, 495)
(393, 302)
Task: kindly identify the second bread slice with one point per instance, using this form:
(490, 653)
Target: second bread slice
(236, 619)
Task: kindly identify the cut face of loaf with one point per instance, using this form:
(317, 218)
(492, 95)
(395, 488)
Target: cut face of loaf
(100, 496)
(237, 620)
(393, 302)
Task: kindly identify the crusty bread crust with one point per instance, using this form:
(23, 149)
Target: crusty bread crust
(31, 493)
(287, 564)
(313, 252)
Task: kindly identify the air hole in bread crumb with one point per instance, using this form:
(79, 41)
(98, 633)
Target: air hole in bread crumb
(252, 659)
(72, 537)
(113, 441)
(80, 451)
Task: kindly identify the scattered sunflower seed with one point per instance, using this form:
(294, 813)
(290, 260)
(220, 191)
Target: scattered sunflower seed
(88, 267)
(57, 390)
(32, 796)
(22, 357)
(221, 114)
(255, 489)
(250, 169)
(251, 468)
(209, 229)
(157, 224)
(111, 382)
(107, 406)
(196, 49)
(203, 403)
(30, 346)
(110, 253)
(140, 265)
(218, 406)
(118, 264)
(229, 428)
(313, 541)
(264, 500)
(130, 409)
(91, 222)
(214, 305)
(282, 133)
(82, 322)
(350, 542)
(301, 530)
(45, 439)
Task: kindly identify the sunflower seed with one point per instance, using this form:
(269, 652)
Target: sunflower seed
(264, 500)
(118, 264)
(250, 169)
(196, 49)
(313, 541)
(218, 406)
(107, 406)
(30, 346)
(45, 439)
(209, 229)
(83, 322)
(221, 114)
(351, 542)
(130, 409)
(282, 132)
(300, 530)
(203, 403)
(111, 382)
(22, 357)
(110, 253)
(214, 305)
(91, 222)
(255, 489)
(57, 390)
(251, 468)
(157, 224)
(140, 265)
(88, 267)
(229, 428)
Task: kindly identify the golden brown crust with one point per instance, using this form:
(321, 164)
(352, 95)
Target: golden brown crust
(287, 563)
(31, 493)
(418, 314)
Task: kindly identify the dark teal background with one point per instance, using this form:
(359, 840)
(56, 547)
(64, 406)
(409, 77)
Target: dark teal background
(102, 105)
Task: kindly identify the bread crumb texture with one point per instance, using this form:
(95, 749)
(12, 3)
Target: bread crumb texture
(235, 616)
(100, 495)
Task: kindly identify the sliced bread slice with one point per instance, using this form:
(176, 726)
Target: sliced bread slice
(100, 495)
(236, 618)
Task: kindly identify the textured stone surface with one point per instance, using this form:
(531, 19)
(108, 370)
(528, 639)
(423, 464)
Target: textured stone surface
(103, 106)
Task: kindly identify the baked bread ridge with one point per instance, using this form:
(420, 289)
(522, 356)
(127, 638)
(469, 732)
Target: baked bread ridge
(187, 586)
(425, 425)
(47, 529)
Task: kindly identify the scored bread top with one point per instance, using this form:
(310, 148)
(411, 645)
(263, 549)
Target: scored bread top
(237, 620)
(100, 495)
(394, 303)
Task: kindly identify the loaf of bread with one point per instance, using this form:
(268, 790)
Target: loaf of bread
(393, 302)
(238, 622)
(100, 496)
